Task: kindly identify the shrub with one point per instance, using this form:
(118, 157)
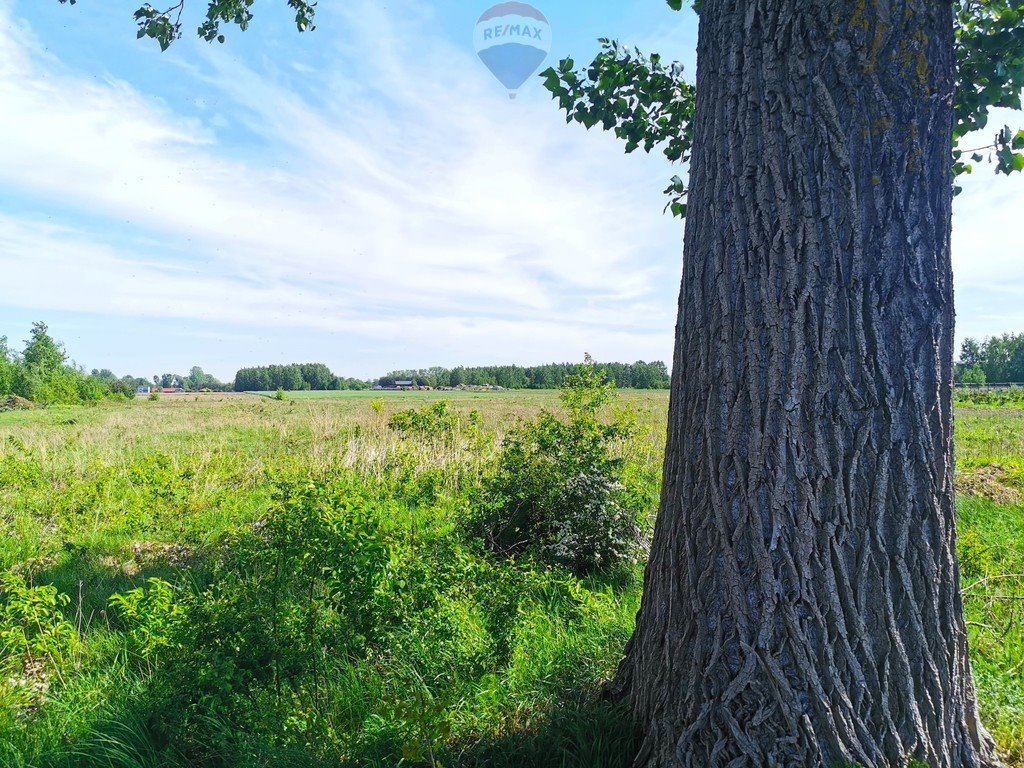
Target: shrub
(557, 491)
(279, 395)
(33, 626)
(123, 389)
(436, 423)
(34, 638)
(151, 614)
(285, 600)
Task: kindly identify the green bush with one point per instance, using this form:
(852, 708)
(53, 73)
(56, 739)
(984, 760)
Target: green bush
(152, 616)
(558, 490)
(35, 639)
(436, 423)
(122, 389)
(300, 590)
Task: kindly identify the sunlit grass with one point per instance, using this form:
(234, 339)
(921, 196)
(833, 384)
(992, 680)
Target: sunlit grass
(95, 500)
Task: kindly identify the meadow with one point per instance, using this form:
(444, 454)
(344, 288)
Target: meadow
(221, 580)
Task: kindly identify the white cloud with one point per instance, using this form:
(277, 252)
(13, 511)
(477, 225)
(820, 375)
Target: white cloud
(384, 203)
(378, 186)
(988, 251)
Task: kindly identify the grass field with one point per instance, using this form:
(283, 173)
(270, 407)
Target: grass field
(235, 580)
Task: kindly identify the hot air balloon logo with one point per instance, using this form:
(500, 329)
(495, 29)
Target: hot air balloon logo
(512, 40)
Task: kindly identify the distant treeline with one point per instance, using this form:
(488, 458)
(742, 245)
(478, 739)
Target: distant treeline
(197, 380)
(996, 360)
(317, 376)
(293, 378)
(638, 375)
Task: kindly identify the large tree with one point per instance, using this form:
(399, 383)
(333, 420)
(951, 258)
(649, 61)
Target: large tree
(801, 603)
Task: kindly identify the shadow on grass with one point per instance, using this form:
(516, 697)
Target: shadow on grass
(90, 577)
(584, 734)
(133, 727)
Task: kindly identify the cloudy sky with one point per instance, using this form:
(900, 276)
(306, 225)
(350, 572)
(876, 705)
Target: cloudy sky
(365, 195)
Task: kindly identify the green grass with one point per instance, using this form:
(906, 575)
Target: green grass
(458, 658)
(493, 664)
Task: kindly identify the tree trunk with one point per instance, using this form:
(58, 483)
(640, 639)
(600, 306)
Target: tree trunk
(802, 602)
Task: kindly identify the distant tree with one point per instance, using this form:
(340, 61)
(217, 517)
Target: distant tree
(971, 353)
(7, 368)
(999, 359)
(42, 354)
(196, 379)
(974, 374)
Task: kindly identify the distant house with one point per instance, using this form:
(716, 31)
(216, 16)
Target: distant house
(404, 383)
(143, 390)
(173, 390)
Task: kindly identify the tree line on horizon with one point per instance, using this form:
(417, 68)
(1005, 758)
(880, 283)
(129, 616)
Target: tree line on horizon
(638, 375)
(993, 360)
(317, 376)
(41, 373)
(294, 378)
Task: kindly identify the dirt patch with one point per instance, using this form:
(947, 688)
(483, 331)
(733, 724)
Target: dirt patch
(15, 403)
(33, 565)
(152, 552)
(147, 554)
(990, 483)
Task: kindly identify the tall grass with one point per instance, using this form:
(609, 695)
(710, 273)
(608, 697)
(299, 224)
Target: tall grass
(455, 657)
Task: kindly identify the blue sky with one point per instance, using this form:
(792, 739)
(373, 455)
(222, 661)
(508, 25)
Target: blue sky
(365, 195)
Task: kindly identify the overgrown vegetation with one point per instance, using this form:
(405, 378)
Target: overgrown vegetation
(40, 373)
(248, 583)
(1004, 397)
(237, 581)
(559, 490)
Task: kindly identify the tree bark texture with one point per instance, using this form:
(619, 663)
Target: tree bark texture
(802, 602)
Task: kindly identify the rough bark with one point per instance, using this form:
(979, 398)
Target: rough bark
(802, 602)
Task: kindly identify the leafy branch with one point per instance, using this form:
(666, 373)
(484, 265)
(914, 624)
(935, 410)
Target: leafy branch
(644, 101)
(165, 26)
(648, 105)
